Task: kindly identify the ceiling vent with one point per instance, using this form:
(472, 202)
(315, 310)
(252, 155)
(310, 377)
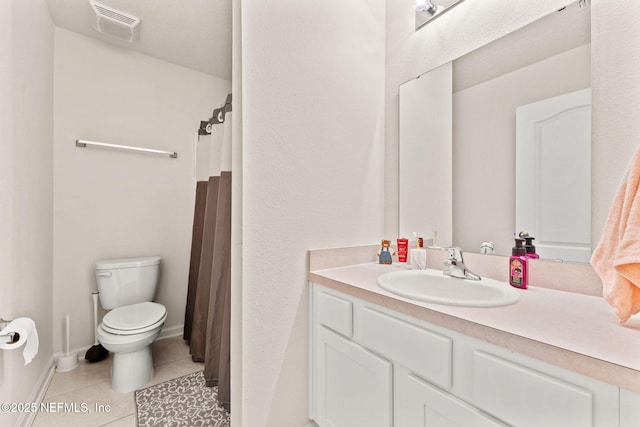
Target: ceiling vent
(115, 23)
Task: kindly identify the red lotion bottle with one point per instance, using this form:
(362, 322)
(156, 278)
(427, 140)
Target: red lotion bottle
(518, 276)
(403, 249)
(531, 250)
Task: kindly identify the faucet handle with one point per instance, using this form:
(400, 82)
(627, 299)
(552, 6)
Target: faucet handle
(455, 253)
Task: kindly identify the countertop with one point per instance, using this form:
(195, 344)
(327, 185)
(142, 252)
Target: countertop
(570, 330)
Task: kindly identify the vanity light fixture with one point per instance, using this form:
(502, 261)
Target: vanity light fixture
(427, 10)
(426, 6)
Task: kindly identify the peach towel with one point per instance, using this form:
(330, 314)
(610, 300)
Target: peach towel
(616, 259)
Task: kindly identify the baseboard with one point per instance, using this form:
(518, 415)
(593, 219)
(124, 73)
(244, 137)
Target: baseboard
(171, 332)
(79, 350)
(26, 419)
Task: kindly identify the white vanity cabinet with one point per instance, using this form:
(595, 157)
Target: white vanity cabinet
(352, 386)
(371, 366)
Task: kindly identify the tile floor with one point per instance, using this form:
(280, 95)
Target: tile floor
(88, 384)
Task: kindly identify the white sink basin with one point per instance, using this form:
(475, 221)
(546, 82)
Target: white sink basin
(433, 286)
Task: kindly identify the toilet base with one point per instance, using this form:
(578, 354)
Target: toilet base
(131, 371)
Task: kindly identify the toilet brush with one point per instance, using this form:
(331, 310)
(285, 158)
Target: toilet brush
(97, 352)
(68, 360)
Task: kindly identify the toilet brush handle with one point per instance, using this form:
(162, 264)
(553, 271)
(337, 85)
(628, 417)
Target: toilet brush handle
(94, 295)
(67, 325)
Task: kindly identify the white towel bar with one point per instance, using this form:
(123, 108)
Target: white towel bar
(84, 143)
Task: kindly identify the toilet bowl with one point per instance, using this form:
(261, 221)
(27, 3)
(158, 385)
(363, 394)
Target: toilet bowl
(126, 288)
(128, 333)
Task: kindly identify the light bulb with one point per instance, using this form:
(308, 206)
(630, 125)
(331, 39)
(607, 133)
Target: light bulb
(426, 6)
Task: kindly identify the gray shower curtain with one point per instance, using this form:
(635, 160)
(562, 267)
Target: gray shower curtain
(207, 318)
(207, 325)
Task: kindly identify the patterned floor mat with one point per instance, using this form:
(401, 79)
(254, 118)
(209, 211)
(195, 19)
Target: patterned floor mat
(184, 401)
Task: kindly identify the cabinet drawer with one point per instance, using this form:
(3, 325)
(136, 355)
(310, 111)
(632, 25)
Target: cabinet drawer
(525, 397)
(335, 313)
(426, 353)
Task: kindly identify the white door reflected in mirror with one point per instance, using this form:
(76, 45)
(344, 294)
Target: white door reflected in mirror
(553, 180)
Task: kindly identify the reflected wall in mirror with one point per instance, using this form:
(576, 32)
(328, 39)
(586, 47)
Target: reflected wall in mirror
(545, 59)
(425, 145)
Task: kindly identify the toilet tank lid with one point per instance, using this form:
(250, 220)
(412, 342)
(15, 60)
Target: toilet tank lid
(109, 264)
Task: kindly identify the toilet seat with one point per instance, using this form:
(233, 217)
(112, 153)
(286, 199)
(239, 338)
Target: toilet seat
(134, 319)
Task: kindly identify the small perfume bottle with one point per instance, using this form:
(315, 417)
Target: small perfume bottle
(518, 277)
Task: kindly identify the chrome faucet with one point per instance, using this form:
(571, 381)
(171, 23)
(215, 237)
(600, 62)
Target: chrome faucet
(455, 265)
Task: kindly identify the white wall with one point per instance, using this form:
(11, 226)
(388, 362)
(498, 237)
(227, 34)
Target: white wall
(236, 217)
(313, 121)
(6, 163)
(616, 95)
(111, 204)
(26, 192)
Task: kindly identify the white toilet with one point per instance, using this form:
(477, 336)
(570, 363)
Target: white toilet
(127, 287)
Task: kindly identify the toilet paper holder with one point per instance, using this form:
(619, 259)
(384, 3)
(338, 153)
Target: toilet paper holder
(11, 335)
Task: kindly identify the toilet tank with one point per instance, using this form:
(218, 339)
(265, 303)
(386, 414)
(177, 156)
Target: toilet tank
(126, 281)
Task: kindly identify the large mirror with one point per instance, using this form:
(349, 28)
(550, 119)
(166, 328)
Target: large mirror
(486, 99)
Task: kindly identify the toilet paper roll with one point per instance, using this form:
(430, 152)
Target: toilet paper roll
(27, 335)
(418, 259)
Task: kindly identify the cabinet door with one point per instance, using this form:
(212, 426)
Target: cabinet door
(629, 409)
(427, 406)
(353, 385)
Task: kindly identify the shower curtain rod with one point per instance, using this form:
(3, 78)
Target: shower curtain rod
(216, 118)
(83, 143)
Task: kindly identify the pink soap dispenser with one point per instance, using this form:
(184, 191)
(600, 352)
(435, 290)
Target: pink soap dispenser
(518, 276)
